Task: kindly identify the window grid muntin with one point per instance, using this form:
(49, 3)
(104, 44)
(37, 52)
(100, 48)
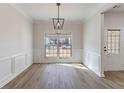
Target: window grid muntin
(52, 50)
(113, 41)
(58, 54)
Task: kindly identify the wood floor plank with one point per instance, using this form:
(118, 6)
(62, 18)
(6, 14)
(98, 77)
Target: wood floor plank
(64, 76)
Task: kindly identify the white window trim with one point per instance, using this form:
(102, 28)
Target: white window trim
(57, 47)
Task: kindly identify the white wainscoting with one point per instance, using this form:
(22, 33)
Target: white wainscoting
(92, 61)
(12, 66)
(39, 57)
(20, 63)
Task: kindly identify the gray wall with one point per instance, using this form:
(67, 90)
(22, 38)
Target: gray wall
(40, 27)
(15, 43)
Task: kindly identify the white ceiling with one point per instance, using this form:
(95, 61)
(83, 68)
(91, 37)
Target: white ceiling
(69, 11)
(118, 9)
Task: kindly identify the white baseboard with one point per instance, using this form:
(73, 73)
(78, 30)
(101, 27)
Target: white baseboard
(102, 75)
(76, 62)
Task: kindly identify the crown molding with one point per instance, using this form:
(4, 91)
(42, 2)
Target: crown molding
(101, 10)
(24, 14)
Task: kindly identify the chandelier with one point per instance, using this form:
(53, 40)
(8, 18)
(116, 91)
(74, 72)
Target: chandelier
(58, 22)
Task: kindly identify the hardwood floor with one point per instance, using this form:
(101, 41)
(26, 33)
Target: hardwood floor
(116, 76)
(63, 76)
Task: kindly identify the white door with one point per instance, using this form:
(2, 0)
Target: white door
(112, 49)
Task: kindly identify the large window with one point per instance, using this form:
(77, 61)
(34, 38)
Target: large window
(113, 41)
(58, 45)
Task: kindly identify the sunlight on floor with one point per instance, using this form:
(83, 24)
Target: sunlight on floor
(79, 66)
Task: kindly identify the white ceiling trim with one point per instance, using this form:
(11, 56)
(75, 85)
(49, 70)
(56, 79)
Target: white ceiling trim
(108, 7)
(79, 12)
(20, 11)
(102, 10)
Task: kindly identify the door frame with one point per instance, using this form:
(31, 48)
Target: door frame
(102, 70)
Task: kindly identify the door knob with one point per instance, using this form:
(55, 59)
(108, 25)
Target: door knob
(105, 50)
